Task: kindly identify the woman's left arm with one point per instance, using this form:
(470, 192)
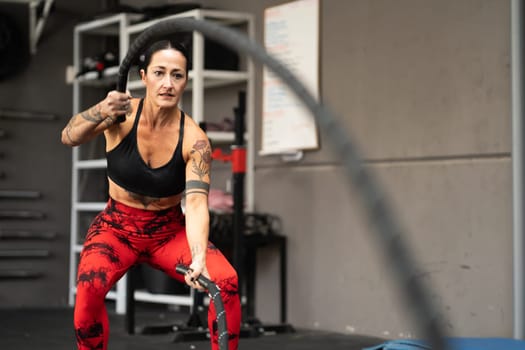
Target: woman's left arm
(197, 212)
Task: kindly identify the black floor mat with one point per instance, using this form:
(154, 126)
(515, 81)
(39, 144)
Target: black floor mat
(52, 329)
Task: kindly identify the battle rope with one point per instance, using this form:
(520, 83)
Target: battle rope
(371, 195)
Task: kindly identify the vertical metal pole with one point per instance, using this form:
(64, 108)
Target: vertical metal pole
(517, 163)
(129, 318)
(239, 170)
(250, 124)
(121, 296)
(73, 240)
(125, 291)
(197, 103)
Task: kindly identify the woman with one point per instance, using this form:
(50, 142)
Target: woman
(153, 156)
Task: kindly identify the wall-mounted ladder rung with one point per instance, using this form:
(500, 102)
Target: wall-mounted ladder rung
(19, 194)
(26, 115)
(24, 253)
(19, 274)
(20, 214)
(26, 235)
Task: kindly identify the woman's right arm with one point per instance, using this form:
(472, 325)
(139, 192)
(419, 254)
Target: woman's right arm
(86, 125)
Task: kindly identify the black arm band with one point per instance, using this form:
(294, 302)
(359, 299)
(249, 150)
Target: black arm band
(194, 184)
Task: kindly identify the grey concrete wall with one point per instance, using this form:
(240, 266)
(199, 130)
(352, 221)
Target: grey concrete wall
(423, 88)
(36, 160)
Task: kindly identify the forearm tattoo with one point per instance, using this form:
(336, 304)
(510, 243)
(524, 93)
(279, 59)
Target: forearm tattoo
(69, 127)
(201, 158)
(196, 250)
(197, 187)
(109, 120)
(93, 114)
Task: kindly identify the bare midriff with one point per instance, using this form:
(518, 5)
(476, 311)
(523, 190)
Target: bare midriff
(135, 200)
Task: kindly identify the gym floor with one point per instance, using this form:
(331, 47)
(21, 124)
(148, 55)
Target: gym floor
(51, 329)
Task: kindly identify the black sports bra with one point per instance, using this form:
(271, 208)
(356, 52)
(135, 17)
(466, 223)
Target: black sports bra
(127, 168)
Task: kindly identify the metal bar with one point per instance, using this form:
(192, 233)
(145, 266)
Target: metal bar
(250, 126)
(19, 194)
(517, 165)
(20, 214)
(197, 103)
(31, 14)
(75, 158)
(27, 115)
(91, 26)
(26, 234)
(123, 299)
(88, 206)
(91, 164)
(238, 180)
(41, 22)
(19, 274)
(24, 253)
(121, 295)
(129, 318)
(183, 300)
(284, 277)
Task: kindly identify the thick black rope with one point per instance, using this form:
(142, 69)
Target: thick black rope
(215, 295)
(372, 198)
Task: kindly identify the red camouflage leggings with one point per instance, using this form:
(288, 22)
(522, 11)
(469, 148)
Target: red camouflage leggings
(120, 237)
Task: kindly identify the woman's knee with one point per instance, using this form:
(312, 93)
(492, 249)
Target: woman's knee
(227, 279)
(94, 283)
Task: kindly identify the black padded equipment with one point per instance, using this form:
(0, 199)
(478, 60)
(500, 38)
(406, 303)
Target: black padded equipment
(14, 54)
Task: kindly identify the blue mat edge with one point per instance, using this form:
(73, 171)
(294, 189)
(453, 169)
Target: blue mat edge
(454, 343)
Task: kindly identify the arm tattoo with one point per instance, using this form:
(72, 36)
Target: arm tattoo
(69, 127)
(196, 250)
(197, 187)
(109, 121)
(201, 158)
(93, 114)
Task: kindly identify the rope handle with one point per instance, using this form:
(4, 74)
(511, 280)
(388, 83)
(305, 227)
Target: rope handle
(215, 295)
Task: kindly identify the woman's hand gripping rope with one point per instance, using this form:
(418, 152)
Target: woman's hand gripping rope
(215, 295)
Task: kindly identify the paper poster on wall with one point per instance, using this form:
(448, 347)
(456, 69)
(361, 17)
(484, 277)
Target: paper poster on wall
(291, 34)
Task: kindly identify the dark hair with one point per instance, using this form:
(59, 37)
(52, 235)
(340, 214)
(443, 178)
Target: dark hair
(145, 58)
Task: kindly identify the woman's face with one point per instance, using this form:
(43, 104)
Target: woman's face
(165, 77)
